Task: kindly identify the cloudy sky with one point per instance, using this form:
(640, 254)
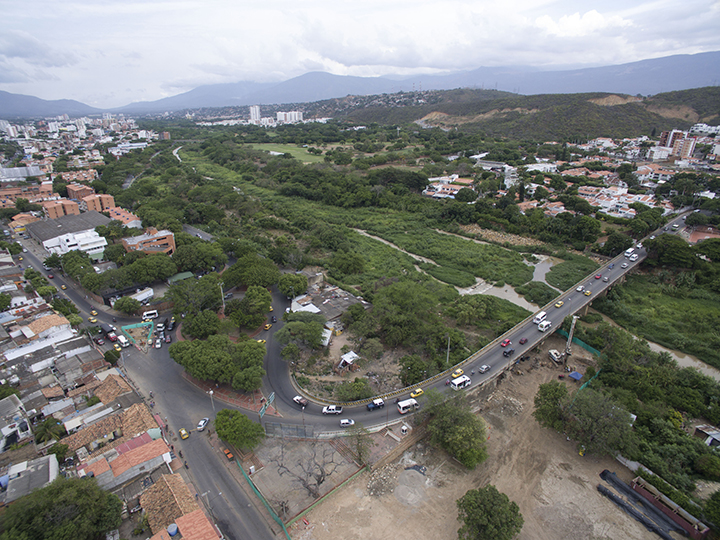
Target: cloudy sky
(108, 53)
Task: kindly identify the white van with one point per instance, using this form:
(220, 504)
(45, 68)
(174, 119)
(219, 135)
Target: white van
(629, 251)
(544, 325)
(153, 314)
(540, 317)
(123, 341)
(407, 406)
(461, 382)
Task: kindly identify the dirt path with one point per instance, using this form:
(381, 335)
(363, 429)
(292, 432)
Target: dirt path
(542, 472)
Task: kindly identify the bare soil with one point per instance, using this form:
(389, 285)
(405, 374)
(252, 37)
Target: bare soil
(539, 469)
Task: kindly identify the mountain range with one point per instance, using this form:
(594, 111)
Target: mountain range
(646, 77)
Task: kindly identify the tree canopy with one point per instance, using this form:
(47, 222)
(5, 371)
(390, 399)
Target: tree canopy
(67, 509)
(237, 429)
(487, 514)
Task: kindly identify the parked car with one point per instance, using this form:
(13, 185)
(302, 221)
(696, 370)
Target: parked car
(201, 425)
(158, 343)
(117, 347)
(228, 295)
(228, 454)
(99, 340)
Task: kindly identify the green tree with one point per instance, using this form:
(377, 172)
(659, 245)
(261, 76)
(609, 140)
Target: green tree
(456, 429)
(352, 391)
(413, 369)
(550, 400)
(466, 195)
(75, 508)
(127, 305)
(290, 352)
(237, 429)
(696, 218)
(53, 261)
(598, 423)
(191, 296)
(74, 319)
(6, 391)
(487, 514)
(48, 430)
(302, 329)
(5, 301)
(252, 270)
(64, 306)
(292, 284)
(60, 451)
(252, 308)
(361, 443)
(199, 256)
(202, 325)
(712, 508)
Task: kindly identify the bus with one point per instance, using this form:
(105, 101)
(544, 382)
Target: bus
(407, 406)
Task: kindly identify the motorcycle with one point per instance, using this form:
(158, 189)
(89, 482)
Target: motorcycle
(186, 465)
(447, 382)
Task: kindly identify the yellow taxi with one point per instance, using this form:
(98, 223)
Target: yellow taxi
(417, 393)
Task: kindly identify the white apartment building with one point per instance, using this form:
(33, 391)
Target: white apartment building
(254, 114)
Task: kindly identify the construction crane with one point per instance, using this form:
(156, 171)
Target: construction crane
(568, 347)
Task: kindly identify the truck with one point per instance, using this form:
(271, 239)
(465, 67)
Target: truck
(301, 401)
(332, 409)
(143, 295)
(375, 404)
(555, 356)
(107, 328)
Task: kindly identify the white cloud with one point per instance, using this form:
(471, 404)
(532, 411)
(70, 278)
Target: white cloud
(108, 53)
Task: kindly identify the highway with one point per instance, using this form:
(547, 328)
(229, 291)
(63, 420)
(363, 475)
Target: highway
(184, 405)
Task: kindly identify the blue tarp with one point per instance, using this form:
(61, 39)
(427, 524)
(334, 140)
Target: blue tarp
(575, 375)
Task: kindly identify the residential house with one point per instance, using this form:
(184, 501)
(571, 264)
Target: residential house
(26, 477)
(153, 241)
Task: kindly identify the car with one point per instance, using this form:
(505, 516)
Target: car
(273, 319)
(261, 341)
(50, 276)
(228, 296)
(598, 276)
(347, 422)
(271, 308)
(559, 304)
(99, 340)
(624, 265)
(505, 343)
(523, 341)
(117, 347)
(63, 287)
(228, 454)
(606, 279)
(580, 289)
(652, 237)
(20, 258)
(92, 320)
(457, 373)
(332, 409)
(301, 401)
(268, 326)
(168, 338)
(633, 257)
(484, 368)
(24, 250)
(639, 246)
(508, 352)
(665, 228)
(587, 293)
(158, 343)
(417, 393)
(612, 265)
(93, 312)
(202, 423)
(183, 433)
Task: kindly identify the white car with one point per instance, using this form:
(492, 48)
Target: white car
(639, 246)
(580, 289)
(158, 343)
(633, 257)
(201, 425)
(347, 422)
(484, 368)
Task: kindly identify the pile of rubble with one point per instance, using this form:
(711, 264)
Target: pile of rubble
(383, 481)
(504, 404)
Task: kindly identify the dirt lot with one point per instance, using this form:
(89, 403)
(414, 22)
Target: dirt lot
(540, 470)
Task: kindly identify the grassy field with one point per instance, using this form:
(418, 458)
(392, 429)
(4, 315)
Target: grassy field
(568, 273)
(301, 154)
(686, 322)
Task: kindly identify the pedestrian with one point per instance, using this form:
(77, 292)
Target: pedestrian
(172, 448)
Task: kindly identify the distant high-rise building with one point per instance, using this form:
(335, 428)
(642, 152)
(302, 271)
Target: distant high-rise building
(255, 114)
